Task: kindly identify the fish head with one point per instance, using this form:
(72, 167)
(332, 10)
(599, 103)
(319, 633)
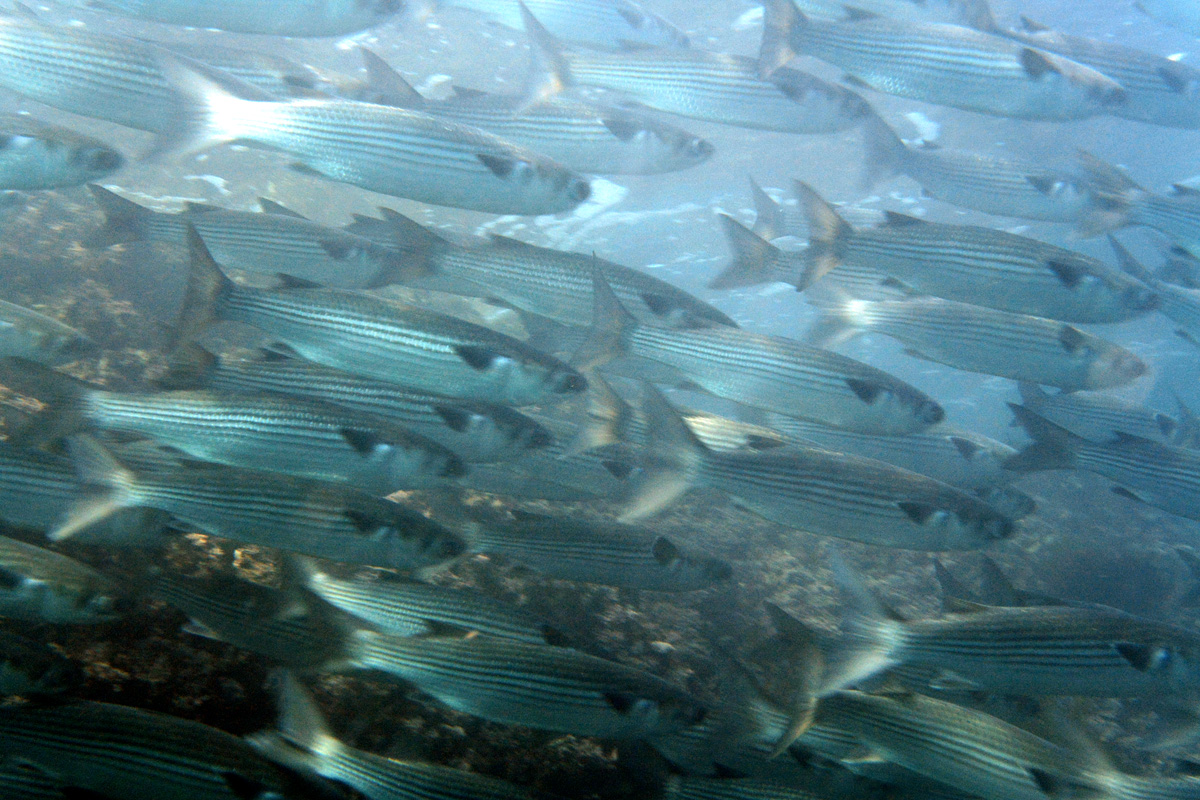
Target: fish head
(380, 9)
(1139, 298)
(663, 147)
(647, 29)
(539, 178)
(95, 161)
(960, 520)
(898, 408)
(1114, 366)
(656, 712)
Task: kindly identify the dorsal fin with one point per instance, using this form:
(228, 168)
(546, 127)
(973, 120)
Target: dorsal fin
(271, 207)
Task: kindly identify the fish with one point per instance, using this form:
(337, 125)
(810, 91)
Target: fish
(383, 149)
(535, 685)
(598, 551)
(117, 752)
(40, 585)
(1178, 303)
(602, 24)
(273, 242)
(1100, 418)
(968, 264)
(272, 17)
(478, 432)
(1176, 13)
(1175, 215)
(302, 741)
(591, 139)
(25, 333)
(814, 490)
(967, 749)
(1158, 90)
(540, 280)
(977, 339)
(32, 669)
(999, 186)
(35, 155)
(948, 65)
(406, 607)
(714, 87)
(328, 520)
(1076, 650)
(767, 372)
(267, 432)
(953, 11)
(20, 780)
(1146, 471)
(378, 339)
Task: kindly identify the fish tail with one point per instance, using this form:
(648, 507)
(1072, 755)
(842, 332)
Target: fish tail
(977, 14)
(549, 72)
(413, 247)
(673, 457)
(884, 151)
(781, 19)
(106, 487)
(124, 220)
(1053, 447)
(841, 318)
(302, 739)
(61, 395)
(611, 326)
(871, 638)
(385, 86)
(211, 106)
(752, 257)
(804, 650)
(768, 215)
(1130, 265)
(190, 367)
(207, 286)
(606, 418)
(1009, 501)
(828, 235)
(1114, 196)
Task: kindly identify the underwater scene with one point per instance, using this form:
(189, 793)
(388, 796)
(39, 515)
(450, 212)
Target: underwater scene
(596, 399)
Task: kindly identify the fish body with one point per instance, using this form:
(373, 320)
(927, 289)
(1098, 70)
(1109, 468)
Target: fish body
(41, 585)
(259, 242)
(121, 752)
(1000, 186)
(967, 749)
(1100, 418)
(326, 520)
(383, 149)
(413, 608)
(820, 491)
(588, 138)
(34, 155)
(272, 17)
(536, 685)
(477, 432)
(596, 551)
(378, 339)
(944, 64)
(1147, 471)
(602, 24)
(977, 265)
(978, 339)
(1157, 90)
(551, 283)
(27, 334)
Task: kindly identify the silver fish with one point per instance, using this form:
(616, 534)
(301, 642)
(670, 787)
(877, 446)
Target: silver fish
(389, 150)
(602, 24)
(378, 339)
(320, 519)
(44, 586)
(768, 372)
(1178, 303)
(28, 334)
(1101, 418)
(551, 283)
(303, 742)
(477, 432)
(35, 155)
(117, 751)
(537, 685)
(977, 339)
(270, 17)
(584, 137)
(1175, 215)
(944, 64)
(1150, 472)
(819, 491)
(279, 241)
(715, 87)
(268, 432)
(596, 551)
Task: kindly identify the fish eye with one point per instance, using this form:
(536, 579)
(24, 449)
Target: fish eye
(580, 190)
(930, 412)
(99, 159)
(699, 148)
(571, 383)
